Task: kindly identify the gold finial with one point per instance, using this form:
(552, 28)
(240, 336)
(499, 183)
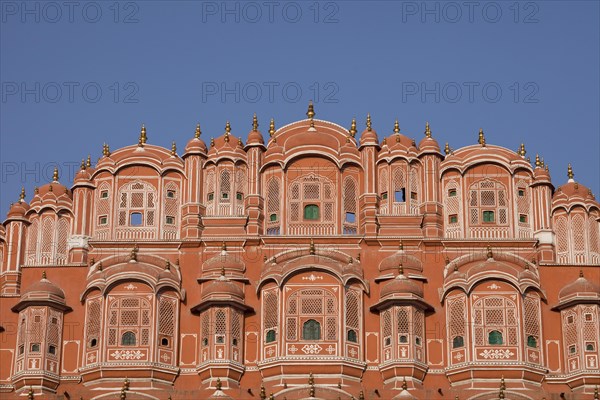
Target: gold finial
(212, 142)
(490, 254)
(271, 396)
(88, 162)
(481, 139)
(264, 258)
(140, 142)
(404, 385)
(455, 268)
(82, 165)
(123, 394)
(427, 130)
(99, 266)
(352, 129)
(361, 395)
(347, 139)
(447, 148)
(105, 150)
(502, 384)
(272, 127)
(143, 136)
(198, 131)
(581, 273)
(55, 175)
(50, 189)
(126, 384)
(311, 379)
(173, 149)
(311, 248)
(311, 391)
(168, 265)
(400, 269)
(522, 150)
(384, 142)
(30, 393)
(218, 384)
(358, 257)
(227, 128)
(263, 394)
(596, 393)
(222, 270)
(240, 143)
(396, 127)
(447, 260)
(254, 123)
(311, 110)
(538, 162)
(44, 274)
(223, 246)
(369, 122)
(570, 173)
(22, 194)
(543, 163)
(350, 260)
(401, 246)
(36, 190)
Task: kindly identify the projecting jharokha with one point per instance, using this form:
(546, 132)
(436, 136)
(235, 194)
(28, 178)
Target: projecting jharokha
(311, 265)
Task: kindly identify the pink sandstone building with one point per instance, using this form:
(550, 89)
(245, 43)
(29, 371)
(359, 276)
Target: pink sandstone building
(312, 263)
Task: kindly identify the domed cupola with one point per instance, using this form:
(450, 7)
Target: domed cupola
(369, 137)
(255, 138)
(52, 194)
(223, 289)
(541, 172)
(195, 145)
(428, 144)
(273, 147)
(579, 291)
(226, 145)
(42, 292)
(572, 193)
(19, 209)
(402, 290)
(398, 143)
(84, 175)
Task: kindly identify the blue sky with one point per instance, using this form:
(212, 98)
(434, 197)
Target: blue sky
(76, 76)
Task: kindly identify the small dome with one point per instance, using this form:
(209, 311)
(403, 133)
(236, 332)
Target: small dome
(581, 287)
(18, 209)
(401, 285)
(196, 145)
(43, 287)
(255, 137)
(222, 289)
(369, 136)
(84, 175)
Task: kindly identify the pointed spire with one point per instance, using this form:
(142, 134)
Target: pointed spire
(254, 123)
(352, 129)
(384, 142)
(82, 165)
(543, 163)
(263, 393)
(218, 384)
(596, 396)
(481, 139)
(310, 113)
(212, 142)
(361, 395)
(400, 269)
(173, 149)
(522, 150)
(396, 127)
(272, 127)
(44, 275)
(55, 175)
(401, 246)
(223, 246)
(105, 150)
(227, 131)
(447, 148)
(22, 194)
(143, 137)
(404, 385)
(168, 265)
(538, 162)
(311, 248)
(427, 130)
(570, 173)
(198, 131)
(369, 122)
(490, 254)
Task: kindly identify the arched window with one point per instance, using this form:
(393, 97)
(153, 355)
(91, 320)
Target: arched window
(352, 336)
(273, 224)
(312, 304)
(495, 337)
(311, 212)
(488, 203)
(128, 339)
(311, 330)
(531, 341)
(457, 342)
(271, 336)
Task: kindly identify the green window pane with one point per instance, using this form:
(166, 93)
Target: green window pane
(270, 336)
(311, 212)
(495, 337)
(488, 216)
(311, 330)
(531, 341)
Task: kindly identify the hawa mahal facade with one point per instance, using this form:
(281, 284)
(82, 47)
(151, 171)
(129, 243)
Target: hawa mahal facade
(313, 264)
